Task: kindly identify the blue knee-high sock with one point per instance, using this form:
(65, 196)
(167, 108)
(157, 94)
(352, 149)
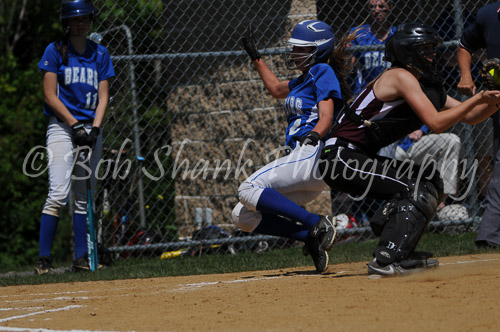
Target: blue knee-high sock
(279, 226)
(80, 233)
(48, 228)
(272, 202)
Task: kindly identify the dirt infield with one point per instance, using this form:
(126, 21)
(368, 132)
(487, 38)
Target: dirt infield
(463, 294)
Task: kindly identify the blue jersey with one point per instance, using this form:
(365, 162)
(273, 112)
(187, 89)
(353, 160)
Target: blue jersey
(371, 62)
(406, 143)
(77, 83)
(306, 91)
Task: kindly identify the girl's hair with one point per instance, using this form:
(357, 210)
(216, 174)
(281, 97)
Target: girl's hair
(62, 46)
(341, 62)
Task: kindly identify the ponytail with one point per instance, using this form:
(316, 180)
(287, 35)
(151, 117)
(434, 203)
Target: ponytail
(62, 46)
(340, 61)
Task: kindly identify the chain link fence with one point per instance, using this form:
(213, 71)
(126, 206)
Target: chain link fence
(190, 119)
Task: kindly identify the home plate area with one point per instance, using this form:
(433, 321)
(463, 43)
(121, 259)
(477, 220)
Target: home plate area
(461, 295)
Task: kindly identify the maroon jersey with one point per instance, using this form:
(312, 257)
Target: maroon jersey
(390, 120)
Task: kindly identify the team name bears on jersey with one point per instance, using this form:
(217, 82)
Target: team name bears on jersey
(81, 75)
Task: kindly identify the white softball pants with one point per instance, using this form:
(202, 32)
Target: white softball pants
(295, 176)
(65, 167)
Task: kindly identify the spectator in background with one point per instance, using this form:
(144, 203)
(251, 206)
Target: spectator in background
(449, 29)
(483, 34)
(370, 63)
(444, 148)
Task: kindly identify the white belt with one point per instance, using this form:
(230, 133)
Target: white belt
(333, 141)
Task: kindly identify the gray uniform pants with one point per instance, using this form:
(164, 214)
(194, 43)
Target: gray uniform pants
(489, 229)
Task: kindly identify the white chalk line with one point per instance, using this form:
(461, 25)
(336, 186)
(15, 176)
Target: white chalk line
(60, 298)
(473, 261)
(9, 328)
(19, 329)
(69, 307)
(60, 293)
(203, 284)
(21, 308)
(40, 294)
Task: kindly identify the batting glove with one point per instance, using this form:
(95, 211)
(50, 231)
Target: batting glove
(92, 137)
(312, 138)
(78, 134)
(248, 42)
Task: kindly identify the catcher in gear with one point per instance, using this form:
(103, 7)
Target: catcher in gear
(395, 104)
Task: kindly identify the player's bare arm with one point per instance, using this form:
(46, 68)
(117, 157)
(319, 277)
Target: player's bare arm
(409, 88)
(466, 85)
(51, 98)
(481, 112)
(103, 91)
(325, 110)
(386, 87)
(278, 89)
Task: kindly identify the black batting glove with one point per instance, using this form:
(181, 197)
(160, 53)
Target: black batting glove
(92, 137)
(78, 134)
(312, 138)
(248, 42)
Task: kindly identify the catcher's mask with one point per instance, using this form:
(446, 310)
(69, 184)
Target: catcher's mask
(309, 33)
(416, 45)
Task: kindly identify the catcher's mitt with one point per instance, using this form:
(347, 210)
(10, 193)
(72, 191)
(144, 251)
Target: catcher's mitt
(491, 74)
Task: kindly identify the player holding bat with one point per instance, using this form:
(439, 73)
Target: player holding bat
(75, 75)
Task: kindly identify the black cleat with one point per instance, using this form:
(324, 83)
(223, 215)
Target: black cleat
(320, 256)
(44, 265)
(403, 268)
(389, 270)
(325, 231)
(419, 259)
(82, 264)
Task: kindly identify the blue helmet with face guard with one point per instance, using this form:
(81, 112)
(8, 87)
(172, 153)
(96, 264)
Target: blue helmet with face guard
(311, 33)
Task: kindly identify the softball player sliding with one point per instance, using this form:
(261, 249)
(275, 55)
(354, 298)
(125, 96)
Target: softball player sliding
(75, 72)
(270, 198)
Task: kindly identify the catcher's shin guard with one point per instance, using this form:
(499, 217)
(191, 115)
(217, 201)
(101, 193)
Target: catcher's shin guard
(383, 215)
(406, 221)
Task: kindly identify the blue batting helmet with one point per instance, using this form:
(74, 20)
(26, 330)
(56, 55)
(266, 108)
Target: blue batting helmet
(317, 34)
(73, 8)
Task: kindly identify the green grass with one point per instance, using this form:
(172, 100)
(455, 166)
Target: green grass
(440, 244)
